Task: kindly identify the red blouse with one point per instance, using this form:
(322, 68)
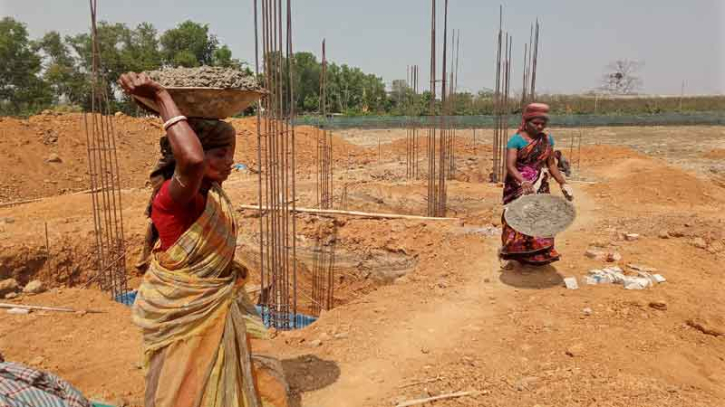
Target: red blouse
(172, 219)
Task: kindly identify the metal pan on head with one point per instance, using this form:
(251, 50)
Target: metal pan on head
(209, 103)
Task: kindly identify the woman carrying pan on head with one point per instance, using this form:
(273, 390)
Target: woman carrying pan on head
(196, 319)
(530, 162)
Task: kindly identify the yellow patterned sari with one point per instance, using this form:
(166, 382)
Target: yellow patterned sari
(197, 322)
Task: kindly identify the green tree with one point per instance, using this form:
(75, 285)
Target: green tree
(307, 82)
(349, 89)
(462, 103)
(121, 50)
(112, 39)
(189, 44)
(61, 73)
(223, 57)
(140, 49)
(21, 88)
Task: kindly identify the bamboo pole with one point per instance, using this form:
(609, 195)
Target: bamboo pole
(352, 213)
(44, 308)
(441, 397)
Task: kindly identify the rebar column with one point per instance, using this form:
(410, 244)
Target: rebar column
(277, 166)
(105, 182)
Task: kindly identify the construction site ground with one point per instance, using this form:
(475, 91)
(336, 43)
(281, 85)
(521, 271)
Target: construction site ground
(422, 308)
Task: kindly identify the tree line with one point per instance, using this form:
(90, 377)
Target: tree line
(53, 72)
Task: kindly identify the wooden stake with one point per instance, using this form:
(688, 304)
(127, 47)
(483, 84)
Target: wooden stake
(47, 247)
(379, 150)
(43, 308)
(353, 213)
(436, 379)
(441, 397)
(14, 203)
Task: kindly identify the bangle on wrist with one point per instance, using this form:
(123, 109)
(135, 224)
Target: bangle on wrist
(172, 121)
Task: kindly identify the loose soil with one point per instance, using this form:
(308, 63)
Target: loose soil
(422, 308)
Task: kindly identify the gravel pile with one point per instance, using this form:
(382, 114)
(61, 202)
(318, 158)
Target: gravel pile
(204, 77)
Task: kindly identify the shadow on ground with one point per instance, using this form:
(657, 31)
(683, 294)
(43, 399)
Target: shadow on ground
(532, 277)
(309, 373)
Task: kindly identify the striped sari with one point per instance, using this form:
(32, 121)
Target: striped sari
(197, 322)
(531, 161)
(22, 386)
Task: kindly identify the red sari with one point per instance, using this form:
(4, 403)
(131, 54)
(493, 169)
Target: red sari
(531, 162)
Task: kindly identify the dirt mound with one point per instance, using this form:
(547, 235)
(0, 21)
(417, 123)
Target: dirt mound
(69, 264)
(39, 338)
(715, 154)
(305, 146)
(601, 154)
(645, 181)
(46, 155)
(454, 321)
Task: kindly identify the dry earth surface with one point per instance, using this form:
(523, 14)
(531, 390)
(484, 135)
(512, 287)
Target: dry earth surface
(422, 307)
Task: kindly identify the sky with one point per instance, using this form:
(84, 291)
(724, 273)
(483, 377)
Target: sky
(677, 41)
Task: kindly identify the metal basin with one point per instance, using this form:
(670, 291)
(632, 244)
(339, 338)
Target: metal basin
(210, 103)
(540, 215)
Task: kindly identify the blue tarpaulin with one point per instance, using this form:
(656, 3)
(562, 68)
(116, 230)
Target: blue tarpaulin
(300, 320)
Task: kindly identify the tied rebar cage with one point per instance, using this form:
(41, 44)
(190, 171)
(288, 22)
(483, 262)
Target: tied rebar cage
(323, 272)
(276, 154)
(438, 130)
(324, 144)
(412, 144)
(323, 265)
(452, 95)
(501, 101)
(105, 180)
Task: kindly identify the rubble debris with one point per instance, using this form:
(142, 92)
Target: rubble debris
(18, 311)
(571, 283)
(699, 242)
(658, 305)
(9, 285)
(615, 275)
(34, 287)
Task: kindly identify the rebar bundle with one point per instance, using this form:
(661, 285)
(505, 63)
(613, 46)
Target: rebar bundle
(276, 155)
(438, 129)
(324, 145)
(105, 180)
(501, 102)
(323, 271)
(531, 57)
(412, 143)
(450, 148)
(576, 139)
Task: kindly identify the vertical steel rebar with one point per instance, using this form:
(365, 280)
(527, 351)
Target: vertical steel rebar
(443, 154)
(276, 152)
(535, 62)
(105, 180)
(259, 152)
(431, 114)
(579, 154)
(497, 104)
(416, 141)
(507, 87)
